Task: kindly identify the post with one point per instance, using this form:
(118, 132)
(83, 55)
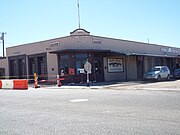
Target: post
(87, 79)
(3, 43)
(87, 67)
(59, 84)
(78, 15)
(2, 38)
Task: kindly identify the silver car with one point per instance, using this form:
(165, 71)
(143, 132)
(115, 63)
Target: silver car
(157, 73)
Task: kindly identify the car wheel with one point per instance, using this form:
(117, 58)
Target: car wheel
(168, 77)
(159, 78)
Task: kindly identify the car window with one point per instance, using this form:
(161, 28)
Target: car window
(165, 69)
(177, 70)
(154, 69)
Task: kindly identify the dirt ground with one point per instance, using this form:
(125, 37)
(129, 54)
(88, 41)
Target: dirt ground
(163, 85)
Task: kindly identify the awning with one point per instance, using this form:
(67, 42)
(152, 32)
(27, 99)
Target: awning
(153, 55)
(106, 52)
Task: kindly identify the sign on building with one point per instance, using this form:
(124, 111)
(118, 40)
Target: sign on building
(115, 65)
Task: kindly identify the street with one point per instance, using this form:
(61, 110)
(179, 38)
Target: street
(89, 111)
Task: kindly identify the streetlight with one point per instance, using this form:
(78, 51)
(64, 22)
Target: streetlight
(2, 38)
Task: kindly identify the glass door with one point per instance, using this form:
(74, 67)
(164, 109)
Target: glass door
(98, 69)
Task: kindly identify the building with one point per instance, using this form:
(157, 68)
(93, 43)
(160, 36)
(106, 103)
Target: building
(111, 59)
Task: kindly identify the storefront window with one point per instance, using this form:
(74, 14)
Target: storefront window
(80, 61)
(81, 56)
(64, 64)
(64, 57)
(79, 65)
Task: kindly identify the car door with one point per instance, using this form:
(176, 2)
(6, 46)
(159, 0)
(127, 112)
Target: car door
(165, 72)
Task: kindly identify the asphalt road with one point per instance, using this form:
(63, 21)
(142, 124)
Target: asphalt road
(89, 112)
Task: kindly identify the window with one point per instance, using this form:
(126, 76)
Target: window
(81, 56)
(64, 63)
(21, 67)
(79, 65)
(64, 57)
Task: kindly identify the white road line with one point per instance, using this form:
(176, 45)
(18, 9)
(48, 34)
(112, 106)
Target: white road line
(79, 100)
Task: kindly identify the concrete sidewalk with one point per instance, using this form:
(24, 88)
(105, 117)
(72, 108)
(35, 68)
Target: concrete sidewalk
(99, 85)
(131, 85)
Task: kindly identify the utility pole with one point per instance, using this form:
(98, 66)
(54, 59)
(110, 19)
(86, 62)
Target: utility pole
(2, 38)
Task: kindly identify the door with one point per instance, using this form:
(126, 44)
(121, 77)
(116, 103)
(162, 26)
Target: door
(140, 67)
(98, 69)
(2, 73)
(21, 65)
(13, 69)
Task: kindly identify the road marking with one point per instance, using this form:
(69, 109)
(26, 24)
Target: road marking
(79, 100)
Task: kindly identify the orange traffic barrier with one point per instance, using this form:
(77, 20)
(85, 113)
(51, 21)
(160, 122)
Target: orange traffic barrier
(20, 84)
(14, 84)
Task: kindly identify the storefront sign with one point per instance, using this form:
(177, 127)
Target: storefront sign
(54, 44)
(169, 50)
(81, 70)
(97, 41)
(115, 65)
(71, 71)
(16, 52)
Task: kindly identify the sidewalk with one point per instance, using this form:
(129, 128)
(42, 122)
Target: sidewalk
(131, 85)
(99, 85)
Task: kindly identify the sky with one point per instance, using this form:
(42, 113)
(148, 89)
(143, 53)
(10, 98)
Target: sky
(28, 21)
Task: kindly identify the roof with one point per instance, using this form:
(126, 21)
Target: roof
(80, 39)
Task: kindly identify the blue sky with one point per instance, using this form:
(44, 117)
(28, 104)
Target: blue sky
(27, 21)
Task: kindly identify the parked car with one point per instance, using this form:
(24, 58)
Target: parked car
(176, 73)
(157, 73)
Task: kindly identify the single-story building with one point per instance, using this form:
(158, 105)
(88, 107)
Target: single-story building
(3, 67)
(111, 59)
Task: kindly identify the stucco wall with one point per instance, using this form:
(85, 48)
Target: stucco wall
(4, 64)
(52, 66)
(131, 68)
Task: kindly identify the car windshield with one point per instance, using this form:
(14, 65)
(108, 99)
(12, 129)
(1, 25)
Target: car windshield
(177, 70)
(154, 69)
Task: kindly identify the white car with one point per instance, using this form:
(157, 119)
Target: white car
(157, 73)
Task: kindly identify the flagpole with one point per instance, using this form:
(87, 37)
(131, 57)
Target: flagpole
(78, 14)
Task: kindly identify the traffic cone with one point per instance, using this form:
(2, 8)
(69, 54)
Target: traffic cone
(59, 84)
(36, 81)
